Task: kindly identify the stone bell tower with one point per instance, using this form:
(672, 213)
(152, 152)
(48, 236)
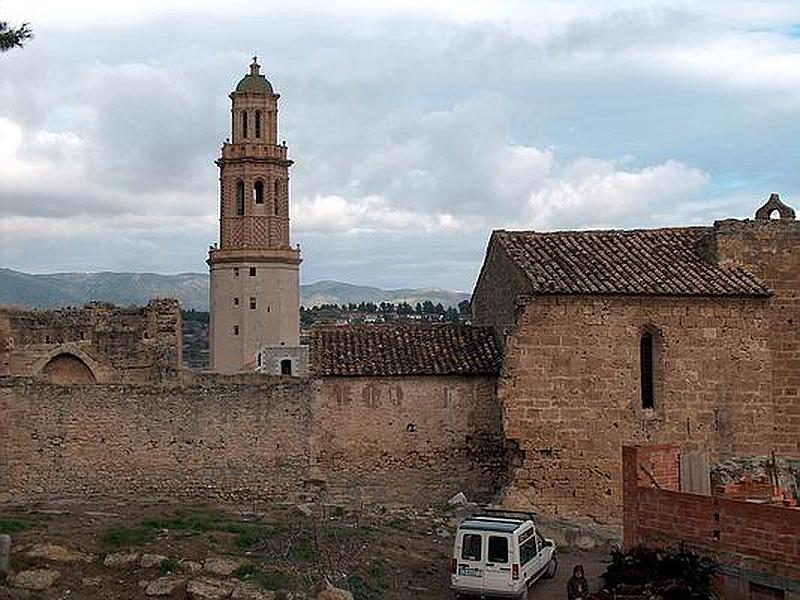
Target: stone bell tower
(255, 297)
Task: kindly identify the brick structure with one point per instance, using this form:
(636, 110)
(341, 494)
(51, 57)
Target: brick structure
(255, 285)
(683, 335)
(756, 546)
(100, 343)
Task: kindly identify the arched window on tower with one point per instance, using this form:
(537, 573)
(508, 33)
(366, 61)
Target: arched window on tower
(258, 124)
(240, 198)
(647, 357)
(258, 192)
(244, 124)
(276, 196)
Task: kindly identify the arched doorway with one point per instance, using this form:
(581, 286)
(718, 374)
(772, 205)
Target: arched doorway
(68, 368)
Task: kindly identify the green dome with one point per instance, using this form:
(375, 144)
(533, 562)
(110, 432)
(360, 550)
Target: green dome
(254, 81)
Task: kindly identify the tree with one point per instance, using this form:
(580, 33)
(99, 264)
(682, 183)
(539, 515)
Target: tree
(12, 38)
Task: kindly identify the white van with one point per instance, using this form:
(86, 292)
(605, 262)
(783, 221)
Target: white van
(500, 553)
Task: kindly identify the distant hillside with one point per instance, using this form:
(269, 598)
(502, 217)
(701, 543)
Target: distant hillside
(191, 289)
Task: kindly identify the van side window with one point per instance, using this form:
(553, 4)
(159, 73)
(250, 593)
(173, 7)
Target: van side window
(527, 551)
(498, 549)
(471, 547)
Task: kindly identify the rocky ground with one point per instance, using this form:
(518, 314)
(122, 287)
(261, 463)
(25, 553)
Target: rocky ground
(70, 549)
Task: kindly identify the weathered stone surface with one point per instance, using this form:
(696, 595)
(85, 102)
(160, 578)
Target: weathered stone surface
(221, 565)
(91, 581)
(249, 591)
(580, 539)
(35, 579)
(205, 588)
(56, 553)
(460, 499)
(121, 559)
(5, 554)
(151, 560)
(164, 586)
(326, 591)
(190, 566)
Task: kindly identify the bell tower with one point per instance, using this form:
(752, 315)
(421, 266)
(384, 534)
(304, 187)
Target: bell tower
(255, 288)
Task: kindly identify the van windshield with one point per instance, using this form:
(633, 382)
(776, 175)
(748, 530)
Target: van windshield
(498, 549)
(471, 547)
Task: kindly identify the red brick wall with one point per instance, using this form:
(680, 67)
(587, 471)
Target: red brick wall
(753, 537)
(571, 391)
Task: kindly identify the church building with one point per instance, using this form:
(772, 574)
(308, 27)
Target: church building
(255, 282)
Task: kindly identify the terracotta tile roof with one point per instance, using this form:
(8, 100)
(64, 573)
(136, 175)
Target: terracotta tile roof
(650, 261)
(386, 350)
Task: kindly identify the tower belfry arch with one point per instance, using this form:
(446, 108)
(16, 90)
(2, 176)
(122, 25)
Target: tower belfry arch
(255, 286)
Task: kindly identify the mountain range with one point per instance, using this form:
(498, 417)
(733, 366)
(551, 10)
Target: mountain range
(191, 289)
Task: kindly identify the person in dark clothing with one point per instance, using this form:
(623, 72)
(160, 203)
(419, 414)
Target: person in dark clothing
(577, 586)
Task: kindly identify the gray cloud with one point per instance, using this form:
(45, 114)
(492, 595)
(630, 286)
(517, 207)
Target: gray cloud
(414, 134)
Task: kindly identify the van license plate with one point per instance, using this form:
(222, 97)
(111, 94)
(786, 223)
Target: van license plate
(468, 571)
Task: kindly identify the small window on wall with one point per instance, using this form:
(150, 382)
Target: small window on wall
(258, 192)
(276, 196)
(647, 368)
(236, 301)
(258, 124)
(252, 271)
(286, 367)
(252, 303)
(244, 124)
(240, 198)
(235, 271)
(235, 330)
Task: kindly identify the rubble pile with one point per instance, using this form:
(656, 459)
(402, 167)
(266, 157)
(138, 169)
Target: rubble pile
(644, 574)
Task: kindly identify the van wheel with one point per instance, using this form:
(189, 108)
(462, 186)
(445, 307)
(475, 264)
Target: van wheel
(552, 568)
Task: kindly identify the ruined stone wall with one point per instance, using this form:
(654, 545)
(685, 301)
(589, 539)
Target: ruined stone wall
(408, 439)
(249, 437)
(571, 391)
(98, 343)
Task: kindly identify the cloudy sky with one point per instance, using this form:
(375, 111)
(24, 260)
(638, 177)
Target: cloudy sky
(415, 130)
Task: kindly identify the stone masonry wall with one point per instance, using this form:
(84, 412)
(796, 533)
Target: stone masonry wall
(771, 250)
(494, 301)
(98, 343)
(571, 391)
(214, 441)
(408, 439)
(413, 440)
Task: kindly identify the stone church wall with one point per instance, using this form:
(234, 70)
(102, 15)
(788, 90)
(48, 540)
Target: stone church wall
(99, 343)
(249, 438)
(572, 399)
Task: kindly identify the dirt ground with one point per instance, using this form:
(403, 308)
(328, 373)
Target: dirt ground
(377, 555)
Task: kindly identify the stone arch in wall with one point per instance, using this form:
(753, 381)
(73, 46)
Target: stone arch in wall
(67, 368)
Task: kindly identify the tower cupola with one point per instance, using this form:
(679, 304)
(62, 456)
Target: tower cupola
(254, 82)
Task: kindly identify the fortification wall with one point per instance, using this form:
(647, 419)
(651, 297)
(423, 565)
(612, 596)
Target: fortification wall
(253, 438)
(216, 441)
